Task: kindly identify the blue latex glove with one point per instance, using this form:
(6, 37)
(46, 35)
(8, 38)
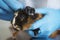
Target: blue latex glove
(7, 8)
(48, 24)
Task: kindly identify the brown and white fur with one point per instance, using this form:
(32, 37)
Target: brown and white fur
(23, 18)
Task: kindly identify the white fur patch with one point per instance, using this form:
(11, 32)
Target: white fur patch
(16, 14)
(13, 21)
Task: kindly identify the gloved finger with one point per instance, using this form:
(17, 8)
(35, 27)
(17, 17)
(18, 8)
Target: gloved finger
(2, 11)
(47, 26)
(5, 6)
(14, 4)
(41, 10)
(7, 17)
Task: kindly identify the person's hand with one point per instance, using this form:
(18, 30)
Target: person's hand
(48, 24)
(7, 8)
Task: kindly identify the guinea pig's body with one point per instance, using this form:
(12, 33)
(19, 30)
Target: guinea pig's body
(23, 18)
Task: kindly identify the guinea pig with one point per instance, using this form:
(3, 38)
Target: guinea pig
(23, 18)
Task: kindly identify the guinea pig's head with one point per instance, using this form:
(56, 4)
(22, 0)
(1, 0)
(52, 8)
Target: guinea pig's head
(31, 12)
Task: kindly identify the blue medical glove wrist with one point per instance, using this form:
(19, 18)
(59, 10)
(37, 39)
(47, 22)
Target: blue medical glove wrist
(7, 8)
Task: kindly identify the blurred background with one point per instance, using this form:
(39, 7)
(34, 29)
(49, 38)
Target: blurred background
(42, 3)
(4, 30)
(4, 25)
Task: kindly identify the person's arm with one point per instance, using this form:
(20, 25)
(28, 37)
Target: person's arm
(7, 8)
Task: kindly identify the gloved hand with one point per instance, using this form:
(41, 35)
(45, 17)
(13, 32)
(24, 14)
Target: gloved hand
(48, 24)
(7, 8)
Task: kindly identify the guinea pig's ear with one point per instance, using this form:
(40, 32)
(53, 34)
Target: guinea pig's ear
(28, 7)
(29, 10)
